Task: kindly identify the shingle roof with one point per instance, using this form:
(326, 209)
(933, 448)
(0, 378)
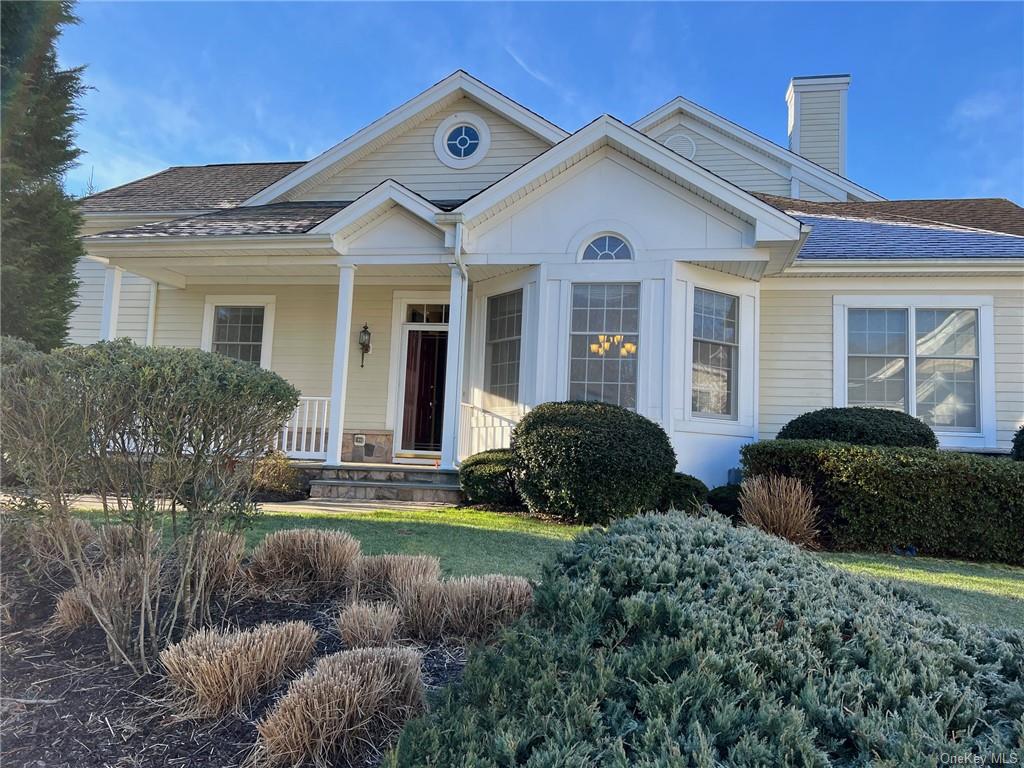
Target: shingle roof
(190, 188)
(273, 219)
(843, 237)
(988, 213)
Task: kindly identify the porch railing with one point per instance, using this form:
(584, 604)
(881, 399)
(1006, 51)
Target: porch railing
(304, 435)
(481, 430)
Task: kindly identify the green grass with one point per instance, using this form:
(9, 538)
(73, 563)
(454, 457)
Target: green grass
(468, 541)
(981, 593)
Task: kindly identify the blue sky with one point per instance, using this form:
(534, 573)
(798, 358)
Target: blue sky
(936, 108)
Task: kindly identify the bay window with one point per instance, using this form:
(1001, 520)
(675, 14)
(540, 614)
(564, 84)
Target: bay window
(715, 351)
(503, 348)
(604, 342)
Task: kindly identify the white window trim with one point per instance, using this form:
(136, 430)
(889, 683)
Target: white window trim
(268, 303)
(985, 437)
(485, 302)
(441, 135)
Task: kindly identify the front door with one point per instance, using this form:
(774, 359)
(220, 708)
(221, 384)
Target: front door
(423, 412)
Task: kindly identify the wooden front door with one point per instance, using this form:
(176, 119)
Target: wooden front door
(423, 413)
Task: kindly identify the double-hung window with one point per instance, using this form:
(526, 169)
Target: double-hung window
(239, 327)
(503, 348)
(918, 356)
(604, 342)
(715, 353)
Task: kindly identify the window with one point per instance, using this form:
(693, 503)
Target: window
(238, 333)
(607, 248)
(501, 357)
(922, 360)
(715, 342)
(604, 342)
(462, 141)
(426, 313)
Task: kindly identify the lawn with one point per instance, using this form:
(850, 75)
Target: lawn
(986, 593)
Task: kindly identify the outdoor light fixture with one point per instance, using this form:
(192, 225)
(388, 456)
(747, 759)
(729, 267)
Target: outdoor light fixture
(364, 343)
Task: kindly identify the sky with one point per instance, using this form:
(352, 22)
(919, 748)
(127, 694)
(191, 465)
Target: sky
(936, 105)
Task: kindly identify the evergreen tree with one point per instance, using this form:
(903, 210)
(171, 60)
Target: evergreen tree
(40, 222)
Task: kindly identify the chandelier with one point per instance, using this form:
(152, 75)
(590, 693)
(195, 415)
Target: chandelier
(604, 344)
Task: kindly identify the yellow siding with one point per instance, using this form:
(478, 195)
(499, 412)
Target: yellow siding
(84, 324)
(819, 127)
(410, 160)
(796, 347)
(303, 339)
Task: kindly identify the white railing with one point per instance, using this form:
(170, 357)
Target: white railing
(304, 435)
(481, 430)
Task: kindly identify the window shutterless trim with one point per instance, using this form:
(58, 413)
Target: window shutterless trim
(268, 302)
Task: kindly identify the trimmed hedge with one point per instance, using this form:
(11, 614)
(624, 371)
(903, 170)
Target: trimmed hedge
(682, 492)
(944, 503)
(486, 478)
(1017, 449)
(725, 499)
(861, 426)
(590, 462)
(672, 640)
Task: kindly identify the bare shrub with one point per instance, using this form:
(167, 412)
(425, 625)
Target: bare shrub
(364, 625)
(118, 540)
(213, 672)
(375, 577)
(349, 703)
(477, 606)
(114, 593)
(52, 543)
(303, 563)
(422, 605)
(782, 506)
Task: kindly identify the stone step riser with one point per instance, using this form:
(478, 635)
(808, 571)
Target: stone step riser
(422, 477)
(358, 492)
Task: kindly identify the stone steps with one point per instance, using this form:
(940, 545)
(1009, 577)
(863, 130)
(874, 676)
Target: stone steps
(391, 483)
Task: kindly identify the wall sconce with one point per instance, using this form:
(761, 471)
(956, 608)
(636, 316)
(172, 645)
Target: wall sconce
(364, 343)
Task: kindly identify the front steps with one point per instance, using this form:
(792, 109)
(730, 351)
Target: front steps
(388, 482)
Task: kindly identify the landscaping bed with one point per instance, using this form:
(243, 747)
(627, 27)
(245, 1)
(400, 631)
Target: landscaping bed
(65, 705)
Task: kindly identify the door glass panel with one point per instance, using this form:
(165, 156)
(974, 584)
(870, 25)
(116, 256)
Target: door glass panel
(423, 415)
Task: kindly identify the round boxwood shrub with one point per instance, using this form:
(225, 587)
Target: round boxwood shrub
(725, 499)
(486, 479)
(861, 426)
(682, 493)
(590, 462)
(1017, 450)
(679, 640)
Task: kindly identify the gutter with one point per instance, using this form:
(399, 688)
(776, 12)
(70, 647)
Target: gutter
(458, 220)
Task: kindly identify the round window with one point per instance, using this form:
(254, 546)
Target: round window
(607, 248)
(462, 141)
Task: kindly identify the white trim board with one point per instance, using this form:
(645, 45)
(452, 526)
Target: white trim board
(269, 304)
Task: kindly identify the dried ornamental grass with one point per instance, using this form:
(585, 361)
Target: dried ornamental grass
(477, 606)
(49, 544)
(350, 704)
(117, 541)
(222, 554)
(422, 604)
(71, 612)
(782, 506)
(213, 672)
(303, 562)
(376, 577)
(364, 625)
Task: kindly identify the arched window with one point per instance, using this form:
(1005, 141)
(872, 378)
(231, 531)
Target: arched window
(607, 248)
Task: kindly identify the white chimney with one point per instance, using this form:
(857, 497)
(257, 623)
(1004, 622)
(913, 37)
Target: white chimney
(817, 119)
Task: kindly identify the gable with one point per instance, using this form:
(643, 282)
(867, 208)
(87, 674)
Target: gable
(609, 192)
(397, 231)
(411, 160)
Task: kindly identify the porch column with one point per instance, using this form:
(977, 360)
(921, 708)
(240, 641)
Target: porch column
(339, 368)
(453, 369)
(111, 303)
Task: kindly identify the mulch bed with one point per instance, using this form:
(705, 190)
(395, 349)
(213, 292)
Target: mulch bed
(64, 704)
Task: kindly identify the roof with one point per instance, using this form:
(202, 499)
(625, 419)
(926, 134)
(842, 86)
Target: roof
(273, 219)
(837, 237)
(190, 188)
(988, 213)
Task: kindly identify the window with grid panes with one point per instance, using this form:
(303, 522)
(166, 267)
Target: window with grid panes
(501, 356)
(604, 342)
(715, 345)
(238, 333)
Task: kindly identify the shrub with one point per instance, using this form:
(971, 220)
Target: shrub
(376, 577)
(670, 639)
(477, 606)
(212, 672)
(275, 478)
(53, 544)
(364, 625)
(861, 426)
(487, 479)
(1017, 449)
(422, 604)
(590, 461)
(303, 562)
(683, 492)
(945, 504)
(725, 499)
(347, 701)
(781, 506)
(71, 611)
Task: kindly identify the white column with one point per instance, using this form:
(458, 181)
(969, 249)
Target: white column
(453, 369)
(339, 368)
(111, 303)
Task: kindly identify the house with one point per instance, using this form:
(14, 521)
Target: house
(461, 259)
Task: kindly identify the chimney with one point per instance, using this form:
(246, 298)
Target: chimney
(817, 119)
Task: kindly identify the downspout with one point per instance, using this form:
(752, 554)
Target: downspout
(458, 250)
